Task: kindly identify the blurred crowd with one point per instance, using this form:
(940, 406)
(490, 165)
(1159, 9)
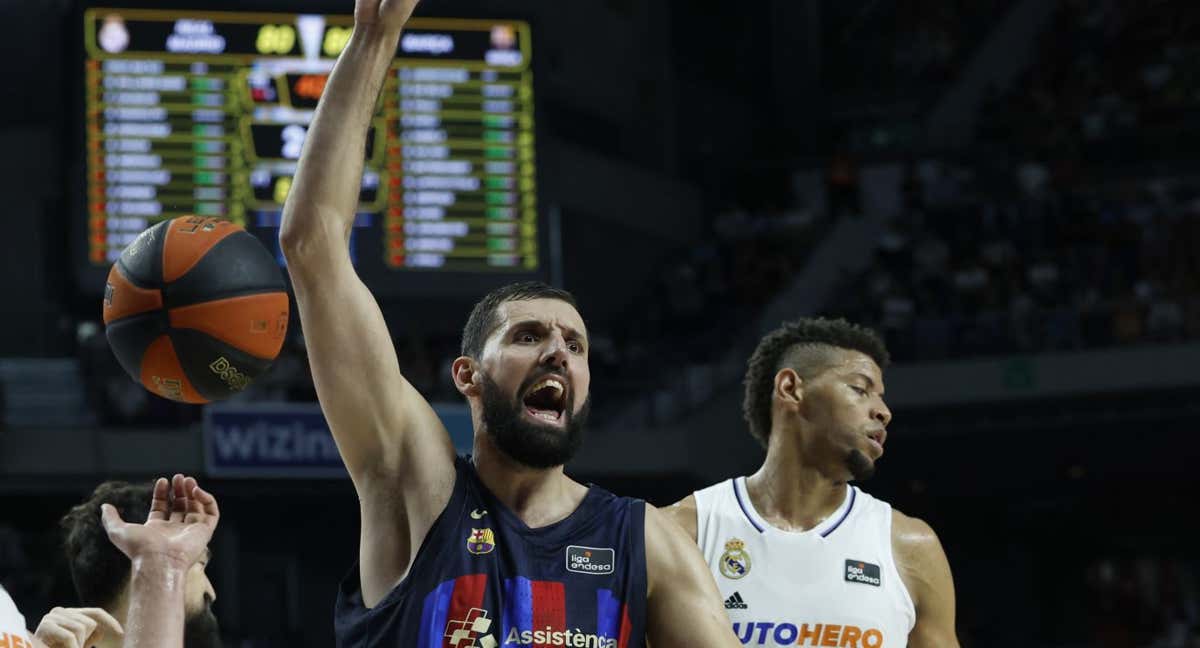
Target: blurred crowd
(1142, 600)
(979, 263)
(910, 46)
(1072, 222)
(1119, 77)
(701, 297)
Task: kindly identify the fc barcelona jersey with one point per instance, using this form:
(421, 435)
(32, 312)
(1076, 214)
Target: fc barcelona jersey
(483, 579)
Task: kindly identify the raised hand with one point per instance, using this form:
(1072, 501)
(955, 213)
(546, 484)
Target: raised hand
(182, 519)
(390, 14)
(75, 627)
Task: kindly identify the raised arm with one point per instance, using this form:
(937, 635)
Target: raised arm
(684, 608)
(926, 573)
(176, 534)
(393, 444)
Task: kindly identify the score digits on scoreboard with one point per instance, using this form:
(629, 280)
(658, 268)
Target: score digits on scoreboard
(206, 113)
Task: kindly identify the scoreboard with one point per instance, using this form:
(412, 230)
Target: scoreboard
(206, 113)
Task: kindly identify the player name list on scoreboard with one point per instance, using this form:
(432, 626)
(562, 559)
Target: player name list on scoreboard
(191, 113)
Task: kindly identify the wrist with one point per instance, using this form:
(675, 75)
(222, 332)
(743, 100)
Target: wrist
(376, 33)
(160, 565)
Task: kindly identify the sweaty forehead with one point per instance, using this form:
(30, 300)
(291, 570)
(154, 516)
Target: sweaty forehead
(553, 313)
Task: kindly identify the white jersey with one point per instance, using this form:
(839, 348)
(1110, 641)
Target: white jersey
(12, 624)
(833, 585)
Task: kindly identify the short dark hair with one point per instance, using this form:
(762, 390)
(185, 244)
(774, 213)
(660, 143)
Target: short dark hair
(99, 570)
(482, 320)
(803, 345)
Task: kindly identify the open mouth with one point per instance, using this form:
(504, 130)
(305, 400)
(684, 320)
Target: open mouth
(546, 400)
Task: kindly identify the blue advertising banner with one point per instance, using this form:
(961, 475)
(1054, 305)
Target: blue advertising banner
(291, 439)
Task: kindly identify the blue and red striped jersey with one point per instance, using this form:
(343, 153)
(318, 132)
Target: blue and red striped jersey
(483, 579)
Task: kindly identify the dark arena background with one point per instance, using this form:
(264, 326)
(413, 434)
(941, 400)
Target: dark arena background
(1007, 190)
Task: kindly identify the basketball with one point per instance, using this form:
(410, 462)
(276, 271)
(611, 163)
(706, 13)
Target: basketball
(195, 309)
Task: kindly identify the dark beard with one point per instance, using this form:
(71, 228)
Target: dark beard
(861, 467)
(527, 443)
(202, 630)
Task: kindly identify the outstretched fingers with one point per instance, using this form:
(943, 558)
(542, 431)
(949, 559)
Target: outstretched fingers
(160, 503)
(202, 507)
(114, 526)
(179, 498)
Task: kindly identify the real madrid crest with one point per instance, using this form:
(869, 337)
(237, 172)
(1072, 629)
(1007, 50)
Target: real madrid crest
(735, 562)
(481, 541)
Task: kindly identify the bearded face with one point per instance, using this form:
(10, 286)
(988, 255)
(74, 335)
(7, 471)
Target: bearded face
(201, 629)
(530, 383)
(538, 428)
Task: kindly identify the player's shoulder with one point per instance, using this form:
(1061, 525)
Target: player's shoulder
(666, 544)
(663, 532)
(683, 514)
(921, 561)
(913, 541)
(658, 521)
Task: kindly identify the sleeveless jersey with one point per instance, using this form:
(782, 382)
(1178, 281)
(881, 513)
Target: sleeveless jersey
(833, 585)
(483, 579)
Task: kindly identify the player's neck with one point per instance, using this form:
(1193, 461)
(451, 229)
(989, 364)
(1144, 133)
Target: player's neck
(791, 494)
(540, 497)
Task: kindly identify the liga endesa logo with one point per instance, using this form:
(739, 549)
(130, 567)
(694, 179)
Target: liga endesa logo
(590, 560)
(762, 633)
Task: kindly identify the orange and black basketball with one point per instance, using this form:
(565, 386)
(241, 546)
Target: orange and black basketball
(195, 309)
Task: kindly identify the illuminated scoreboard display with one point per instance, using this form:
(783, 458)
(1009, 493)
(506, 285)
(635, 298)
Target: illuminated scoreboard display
(206, 113)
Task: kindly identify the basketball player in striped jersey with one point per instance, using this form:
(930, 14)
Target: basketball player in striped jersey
(801, 556)
(501, 549)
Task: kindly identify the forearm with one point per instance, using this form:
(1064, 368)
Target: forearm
(325, 190)
(156, 604)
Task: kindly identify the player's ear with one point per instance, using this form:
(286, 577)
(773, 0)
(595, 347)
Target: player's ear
(789, 386)
(465, 374)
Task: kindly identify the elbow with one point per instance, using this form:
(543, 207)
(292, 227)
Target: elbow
(301, 254)
(303, 237)
(291, 239)
(295, 231)
(296, 247)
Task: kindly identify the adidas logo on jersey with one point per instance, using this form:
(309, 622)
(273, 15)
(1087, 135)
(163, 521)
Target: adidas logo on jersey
(736, 602)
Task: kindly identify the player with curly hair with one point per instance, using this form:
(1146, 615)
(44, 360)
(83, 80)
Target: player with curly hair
(801, 555)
